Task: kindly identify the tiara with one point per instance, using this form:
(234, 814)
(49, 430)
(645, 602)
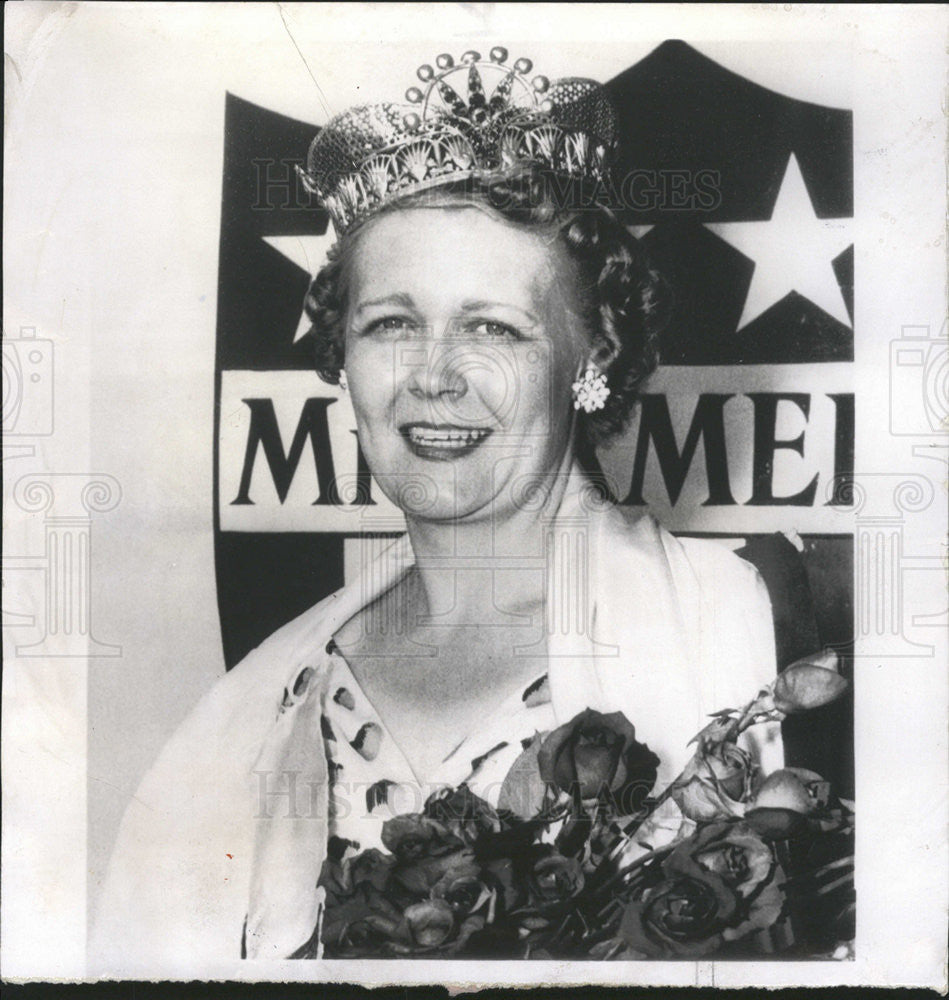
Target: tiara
(373, 154)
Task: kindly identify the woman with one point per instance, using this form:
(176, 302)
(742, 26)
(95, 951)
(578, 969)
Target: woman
(493, 322)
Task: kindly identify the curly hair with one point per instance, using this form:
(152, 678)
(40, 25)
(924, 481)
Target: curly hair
(624, 300)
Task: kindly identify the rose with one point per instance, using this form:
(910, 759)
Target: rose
(553, 878)
(368, 922)
(372, 867)
(462, 813)
(414, 835)
(417, 878)
(364, 936)
(348, 923)
(341, 879)
(429, 923)
(734, 853)
(596, 756)
(462, 888)
(807, 684)
(715, 783)
(682, 916)
(785, 799)
(718, 885)
(803, 685)
(730, 850)
(793, 788)
(423, 926)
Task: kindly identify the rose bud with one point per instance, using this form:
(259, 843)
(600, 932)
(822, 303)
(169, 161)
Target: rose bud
(793, 788)
(808, 684)
(715, 783)
(596, 756)
(784, 799)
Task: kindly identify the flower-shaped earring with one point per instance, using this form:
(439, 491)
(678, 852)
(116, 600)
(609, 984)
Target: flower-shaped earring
(590, 391)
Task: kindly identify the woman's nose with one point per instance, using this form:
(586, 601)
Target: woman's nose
(438, 375)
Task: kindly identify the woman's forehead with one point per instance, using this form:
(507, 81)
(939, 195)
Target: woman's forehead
(437, 254)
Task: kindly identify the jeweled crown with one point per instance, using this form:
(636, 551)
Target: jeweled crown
(372, 154)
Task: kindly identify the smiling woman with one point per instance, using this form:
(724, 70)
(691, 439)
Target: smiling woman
(461, 369)
(477, 686)
(464, 392)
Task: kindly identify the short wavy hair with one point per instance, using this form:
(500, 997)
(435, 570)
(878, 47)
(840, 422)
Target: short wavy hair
(625, 302)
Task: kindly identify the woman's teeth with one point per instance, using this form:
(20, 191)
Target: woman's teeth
(445, 438)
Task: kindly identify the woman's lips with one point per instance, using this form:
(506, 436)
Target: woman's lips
(443, 441)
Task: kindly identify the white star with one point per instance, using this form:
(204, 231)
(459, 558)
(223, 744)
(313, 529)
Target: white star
(792, 252)
(309, 254)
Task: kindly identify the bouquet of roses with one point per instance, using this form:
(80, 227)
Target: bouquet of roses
(560, 868)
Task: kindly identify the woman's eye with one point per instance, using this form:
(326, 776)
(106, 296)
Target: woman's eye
(390, 324)
(393, 323)
(495, 330)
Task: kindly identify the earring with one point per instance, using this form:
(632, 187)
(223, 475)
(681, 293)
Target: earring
(342, 383)
(590, 391)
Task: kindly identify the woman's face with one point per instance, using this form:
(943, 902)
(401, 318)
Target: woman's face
(462, 341)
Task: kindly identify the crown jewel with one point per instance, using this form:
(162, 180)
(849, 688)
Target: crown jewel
(373, 154)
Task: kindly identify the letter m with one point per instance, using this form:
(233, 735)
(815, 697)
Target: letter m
(655, 426)
(264, 432)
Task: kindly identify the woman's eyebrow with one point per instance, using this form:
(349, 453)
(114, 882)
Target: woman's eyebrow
(395, 299)
(474, 305)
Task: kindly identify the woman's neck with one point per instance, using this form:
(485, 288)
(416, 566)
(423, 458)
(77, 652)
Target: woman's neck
(491, 570)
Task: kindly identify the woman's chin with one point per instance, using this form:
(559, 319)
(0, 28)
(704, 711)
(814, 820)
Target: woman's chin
(438, 501)
(445, 491)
